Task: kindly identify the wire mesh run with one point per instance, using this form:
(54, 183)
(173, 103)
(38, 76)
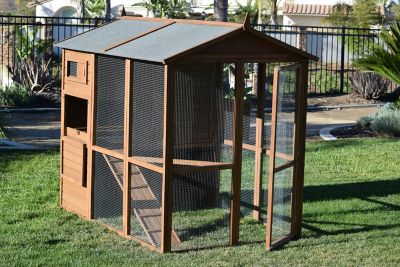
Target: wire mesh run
(285, 125)
(107, 190)
(110, 97)
(147, 112)
(208, 226)
(146, 204)
(203, 113)
(282, 196)
(284, 146)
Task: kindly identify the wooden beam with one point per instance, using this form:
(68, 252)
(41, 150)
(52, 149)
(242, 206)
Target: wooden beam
(301, 110)
(272, 159)
(62, 125)
(168, 155)
(237, 153)
(115, 154)
(261, 73)
(127, 147)
(91, 133)
(214, 167)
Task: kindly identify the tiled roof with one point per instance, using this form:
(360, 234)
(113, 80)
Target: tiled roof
(307, 9)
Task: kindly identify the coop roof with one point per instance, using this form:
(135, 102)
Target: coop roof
(164, 40)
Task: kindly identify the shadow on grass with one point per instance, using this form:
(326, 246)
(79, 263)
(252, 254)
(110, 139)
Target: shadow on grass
(359, 190)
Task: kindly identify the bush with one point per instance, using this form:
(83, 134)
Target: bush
(386, 121)
(14, 95)
(369, 85)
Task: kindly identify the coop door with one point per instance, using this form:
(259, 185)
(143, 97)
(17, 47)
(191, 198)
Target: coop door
(282, 160)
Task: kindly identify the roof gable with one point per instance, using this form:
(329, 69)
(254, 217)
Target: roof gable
(165, 40)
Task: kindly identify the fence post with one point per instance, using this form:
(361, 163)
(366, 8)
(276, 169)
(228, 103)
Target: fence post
(342, 59)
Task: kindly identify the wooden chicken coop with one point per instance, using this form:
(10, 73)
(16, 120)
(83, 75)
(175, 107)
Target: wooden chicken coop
(159, 143)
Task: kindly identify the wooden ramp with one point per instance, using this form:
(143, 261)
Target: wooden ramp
(144, 202)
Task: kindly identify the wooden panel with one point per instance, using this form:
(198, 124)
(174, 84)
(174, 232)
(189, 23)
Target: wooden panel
(79, 85)
(74, 164)
(74, 197)
(237, 153)
(77, 134)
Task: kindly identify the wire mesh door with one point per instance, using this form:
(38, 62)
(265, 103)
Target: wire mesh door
(282, 159)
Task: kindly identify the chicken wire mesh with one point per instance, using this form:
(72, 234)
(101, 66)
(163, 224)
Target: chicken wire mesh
(147, 109)
(107, 190)
(110, 97)
(283, 180)
(205, 227)
(202, 132)
(146, 204)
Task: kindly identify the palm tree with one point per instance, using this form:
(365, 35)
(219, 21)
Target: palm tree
(94, 8)
(107, 12)
(177, 9)
(221, 10)
(273, 7)
(384, 59)
(242, 10)
(154, 6)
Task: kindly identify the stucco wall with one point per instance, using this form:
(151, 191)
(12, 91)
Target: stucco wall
(302, 20)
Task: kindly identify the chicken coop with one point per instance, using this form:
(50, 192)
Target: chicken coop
(184, 134)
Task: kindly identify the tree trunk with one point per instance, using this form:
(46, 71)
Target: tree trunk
(221, 10)
(108, 10)
(81, 11)
(274, 13)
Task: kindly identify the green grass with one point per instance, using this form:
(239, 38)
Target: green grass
(351, 216)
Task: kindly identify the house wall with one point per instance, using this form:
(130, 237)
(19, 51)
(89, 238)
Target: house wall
(306, 20)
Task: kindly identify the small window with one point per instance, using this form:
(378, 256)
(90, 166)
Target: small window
(72, 69)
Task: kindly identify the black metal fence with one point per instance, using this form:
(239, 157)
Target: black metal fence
(27, 44)
(30, 39)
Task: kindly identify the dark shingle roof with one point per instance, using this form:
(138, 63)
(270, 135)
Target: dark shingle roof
(151, 40)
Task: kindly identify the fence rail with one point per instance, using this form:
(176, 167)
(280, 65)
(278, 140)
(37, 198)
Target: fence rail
(25, 38)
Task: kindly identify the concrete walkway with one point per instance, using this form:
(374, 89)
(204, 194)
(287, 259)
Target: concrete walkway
(42, 129)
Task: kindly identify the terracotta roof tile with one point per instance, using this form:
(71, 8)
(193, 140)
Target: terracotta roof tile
(307, 9)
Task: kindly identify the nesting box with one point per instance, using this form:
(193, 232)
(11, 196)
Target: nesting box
(160, 144)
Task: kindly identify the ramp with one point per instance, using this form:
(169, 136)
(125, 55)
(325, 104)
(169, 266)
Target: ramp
(142, 201)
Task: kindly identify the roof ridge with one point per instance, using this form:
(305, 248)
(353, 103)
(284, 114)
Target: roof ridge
(139, 36)
(187, 21)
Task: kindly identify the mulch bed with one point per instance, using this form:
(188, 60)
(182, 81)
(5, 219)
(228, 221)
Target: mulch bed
(354, 131)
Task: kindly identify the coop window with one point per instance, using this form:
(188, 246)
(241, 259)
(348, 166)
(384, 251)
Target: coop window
(76, 110)
(72, 69)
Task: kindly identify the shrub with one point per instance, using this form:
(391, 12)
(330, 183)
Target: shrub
(14, 95)
(369, 85)
(385, 121)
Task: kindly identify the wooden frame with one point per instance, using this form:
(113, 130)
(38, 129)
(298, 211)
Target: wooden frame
(76, 191)
(292, 160)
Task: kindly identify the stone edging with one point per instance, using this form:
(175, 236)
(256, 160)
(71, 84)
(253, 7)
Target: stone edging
(325, 133)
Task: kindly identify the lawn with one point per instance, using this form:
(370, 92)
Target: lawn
(351, 216)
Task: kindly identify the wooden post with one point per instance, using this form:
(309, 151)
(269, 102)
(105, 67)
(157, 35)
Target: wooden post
(301, 117)
(237, 153)
(259, 144)
(127, 149)
(272, 159)
(168, 155)
(91, 134)
(62, 130)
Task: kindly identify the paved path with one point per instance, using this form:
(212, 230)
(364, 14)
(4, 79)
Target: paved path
(42, 129)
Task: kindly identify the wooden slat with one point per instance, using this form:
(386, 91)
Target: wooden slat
(216, 167)
(237, 153)
(168, 155)
(272, 158)
(91, 134)
(144, 164)
(113, 153)
(261, 72)
(284, 166)
(127, 148)
(75, 133)
(244, 146)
